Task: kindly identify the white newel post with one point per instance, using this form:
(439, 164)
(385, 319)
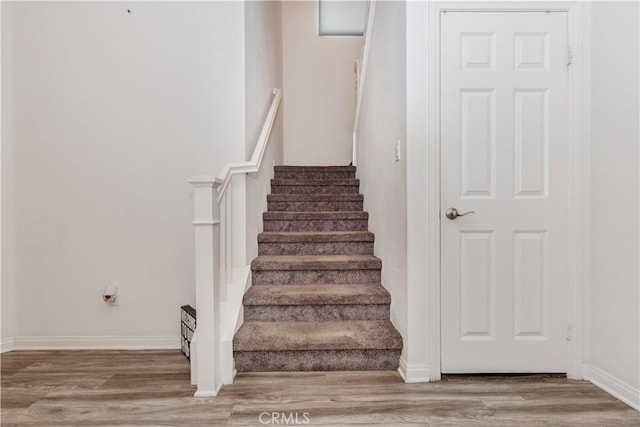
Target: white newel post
(207, 225)
(221, 269)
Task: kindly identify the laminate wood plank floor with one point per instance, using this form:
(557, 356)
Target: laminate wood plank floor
(151, 388)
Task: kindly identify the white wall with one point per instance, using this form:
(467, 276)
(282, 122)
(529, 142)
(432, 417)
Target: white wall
(423, 362)
(319, 89)
(8, 289)
(382, 178)
(108, 114)
(614, 294)
(263, 58)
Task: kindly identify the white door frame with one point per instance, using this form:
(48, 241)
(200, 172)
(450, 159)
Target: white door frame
(579, 84)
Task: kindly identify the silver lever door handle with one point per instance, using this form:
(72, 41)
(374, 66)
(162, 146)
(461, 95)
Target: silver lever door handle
(452, 213)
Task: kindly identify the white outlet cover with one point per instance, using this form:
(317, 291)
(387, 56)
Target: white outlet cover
(113, 292)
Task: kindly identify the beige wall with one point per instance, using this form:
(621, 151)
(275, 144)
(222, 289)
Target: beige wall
(319, 89)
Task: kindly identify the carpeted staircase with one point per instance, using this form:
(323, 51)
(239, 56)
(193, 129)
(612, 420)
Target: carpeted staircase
(317, 303)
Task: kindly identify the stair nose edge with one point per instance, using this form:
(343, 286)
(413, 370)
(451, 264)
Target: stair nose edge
(315, 262)
(349, 294)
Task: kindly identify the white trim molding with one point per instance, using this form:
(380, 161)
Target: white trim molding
(208, 393)
(420, 332)
(580, 192)
(413, 373)
(579, 35)
(6, 345)
(613, 385)
(161, 342)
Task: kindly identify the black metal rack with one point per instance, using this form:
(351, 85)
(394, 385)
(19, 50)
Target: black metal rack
(187, 327)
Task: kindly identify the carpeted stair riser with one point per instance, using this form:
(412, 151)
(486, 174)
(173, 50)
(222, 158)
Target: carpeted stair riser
(300, 336)
(314, 189)
(314, 303)
(314, 174)
(315, 313)
(331, 172)
(321, 186)
(289, 221)
(335, 248)
(317, 360)
(309, 206)
(280, 277)
(318, 262)
(318, 294)
(314, 202)
(316, 243)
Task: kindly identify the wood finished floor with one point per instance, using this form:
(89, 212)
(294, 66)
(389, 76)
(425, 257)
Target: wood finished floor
(100, 388)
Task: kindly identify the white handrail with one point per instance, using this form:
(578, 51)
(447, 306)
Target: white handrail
(253, 165)
(361, 72)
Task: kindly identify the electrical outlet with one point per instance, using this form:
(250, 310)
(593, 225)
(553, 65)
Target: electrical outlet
(110, 295)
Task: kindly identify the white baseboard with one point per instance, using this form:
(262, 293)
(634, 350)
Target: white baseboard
(6, 344)
(208, 393)
(613, 385)
(163, 342)
(413, 373)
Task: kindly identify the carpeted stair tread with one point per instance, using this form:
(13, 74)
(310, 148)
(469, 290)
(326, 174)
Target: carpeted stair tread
(315, 181)
(314, 172)
(320, 201)
(320, 220)
(287, 168)
(315, 242)
(316, 262)
(337, 197)
(316, 302)
(318, 360)
(317, 294)
(300, 216)
(315, 185)
(315, 236)
(306, 336)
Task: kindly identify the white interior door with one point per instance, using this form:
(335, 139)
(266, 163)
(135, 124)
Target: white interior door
(505, 155)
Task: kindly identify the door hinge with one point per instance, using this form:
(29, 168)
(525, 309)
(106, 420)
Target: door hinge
(569, 56)
(569, 332)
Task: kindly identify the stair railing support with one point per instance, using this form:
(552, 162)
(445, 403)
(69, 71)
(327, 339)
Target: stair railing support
(207, 249)
(361, 66)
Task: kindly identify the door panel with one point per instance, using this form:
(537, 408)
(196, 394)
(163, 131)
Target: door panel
(531, 142)
(530, 282)
(505, 155)
(477, 286)
(477, 142)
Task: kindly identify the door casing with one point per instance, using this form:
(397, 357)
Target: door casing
(579, 110)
